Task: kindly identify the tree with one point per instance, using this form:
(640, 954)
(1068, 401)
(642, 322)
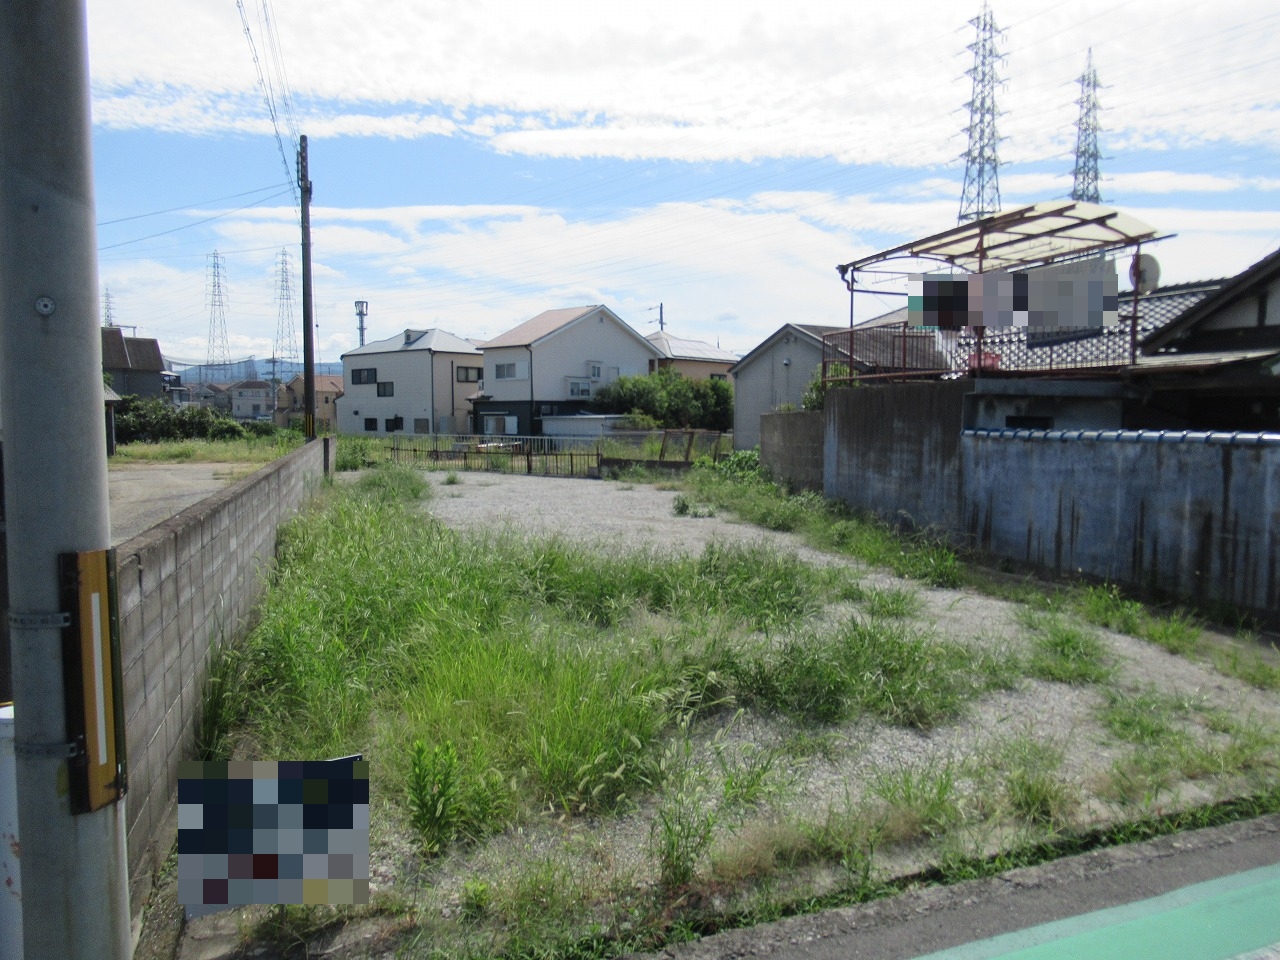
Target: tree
(671, 399)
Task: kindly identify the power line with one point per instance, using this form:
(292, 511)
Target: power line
(188, 226)
(271, 103)
(188, 206)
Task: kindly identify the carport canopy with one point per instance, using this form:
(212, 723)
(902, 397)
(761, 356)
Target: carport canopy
(1021, 239)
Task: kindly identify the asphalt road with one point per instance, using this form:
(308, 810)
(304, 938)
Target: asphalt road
(962, 919)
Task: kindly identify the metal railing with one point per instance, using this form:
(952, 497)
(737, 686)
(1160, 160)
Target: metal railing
(558, 456)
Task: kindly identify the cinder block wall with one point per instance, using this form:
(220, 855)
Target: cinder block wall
(184, 584)
(791, 448)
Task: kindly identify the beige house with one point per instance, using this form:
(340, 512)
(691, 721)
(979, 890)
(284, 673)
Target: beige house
(290, 398)
(695, 359)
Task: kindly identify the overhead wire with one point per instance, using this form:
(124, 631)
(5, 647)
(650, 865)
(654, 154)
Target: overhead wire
(271, 104)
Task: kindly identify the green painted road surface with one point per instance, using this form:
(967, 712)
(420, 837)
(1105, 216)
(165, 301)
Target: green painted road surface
(1233, 918)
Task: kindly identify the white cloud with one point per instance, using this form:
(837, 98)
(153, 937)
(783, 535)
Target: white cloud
(697, 81)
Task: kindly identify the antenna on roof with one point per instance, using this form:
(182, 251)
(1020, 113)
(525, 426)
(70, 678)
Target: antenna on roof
(662, 324)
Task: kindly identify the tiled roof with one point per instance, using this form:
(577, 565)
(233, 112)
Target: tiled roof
(547, 322)
(250, 385)
(130, 353)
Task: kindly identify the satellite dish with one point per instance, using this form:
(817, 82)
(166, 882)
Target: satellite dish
(1144, 273)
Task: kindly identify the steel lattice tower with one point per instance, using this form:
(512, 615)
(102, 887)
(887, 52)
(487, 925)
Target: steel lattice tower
(285, 349)
(108, 314)
(219, 350)
(981, 195)
(1085, 174)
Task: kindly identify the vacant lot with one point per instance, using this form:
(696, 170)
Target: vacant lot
(601, 719)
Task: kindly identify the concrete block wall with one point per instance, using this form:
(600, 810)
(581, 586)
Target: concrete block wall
(791, 448)
(183, 585)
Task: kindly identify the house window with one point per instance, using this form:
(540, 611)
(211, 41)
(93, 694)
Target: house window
(387, 388)
(579, 389)
(421, 424)
(500, 425)
(257, 409)
(371, 424)
(364, 375)
(719, 376)
(504, 371)
(394, 423)
(593, 370)
(469, 374)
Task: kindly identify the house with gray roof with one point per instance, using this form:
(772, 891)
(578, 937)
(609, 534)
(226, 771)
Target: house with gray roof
(695, 359)
(773, 375)
(414, 382)
(553, 364)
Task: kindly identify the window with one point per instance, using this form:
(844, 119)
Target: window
(469, 374)
(501, 424)
(421, 424)
(719, 376)
(364, 375)
(579, 389)
(387, 388)
(593, 370)
(504, 371)
(371, 424)
(394, 423)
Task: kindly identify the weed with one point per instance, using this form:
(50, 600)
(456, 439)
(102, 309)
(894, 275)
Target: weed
(477, 896)
(1251, 666)
(893, 603)
(434, 794)
(920, 800)
(451, 478)
(1065, 653)
(1107, 607)
(1033, 787)
(683, 506)
(1144, 720)
(685, 818)
(748, 773)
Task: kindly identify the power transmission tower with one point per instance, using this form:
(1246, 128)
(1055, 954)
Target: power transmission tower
(981, 195)
(285, 349)
(1085, 174)
(219, 350)
(108, 315)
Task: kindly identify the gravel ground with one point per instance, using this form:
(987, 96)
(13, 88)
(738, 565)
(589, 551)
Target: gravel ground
(602, 853)
(610, 515)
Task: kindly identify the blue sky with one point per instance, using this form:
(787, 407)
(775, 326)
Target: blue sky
(476, 164)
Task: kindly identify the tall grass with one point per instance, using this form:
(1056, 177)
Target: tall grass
(517, 667)
(249, 450)
(737, 485)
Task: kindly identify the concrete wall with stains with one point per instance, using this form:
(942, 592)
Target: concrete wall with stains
(894, 450)
(1192, 514)
(791, 448)
(1196, 515)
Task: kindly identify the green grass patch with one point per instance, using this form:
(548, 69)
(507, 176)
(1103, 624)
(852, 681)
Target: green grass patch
(248, 450)
(735, 484)
(1178, 632)
(1065, 652)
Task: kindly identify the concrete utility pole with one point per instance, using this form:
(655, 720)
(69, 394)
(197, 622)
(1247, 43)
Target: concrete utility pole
(308, 318)
(75, 889)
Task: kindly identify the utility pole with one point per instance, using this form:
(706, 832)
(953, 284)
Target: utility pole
(75, 891)
(308, 321)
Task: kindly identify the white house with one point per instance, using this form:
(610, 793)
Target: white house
(415, 382)
(773, 374)
(251, 399)
(553, 364)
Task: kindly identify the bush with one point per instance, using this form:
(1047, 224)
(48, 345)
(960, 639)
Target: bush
(668, 399)
(153, 420)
